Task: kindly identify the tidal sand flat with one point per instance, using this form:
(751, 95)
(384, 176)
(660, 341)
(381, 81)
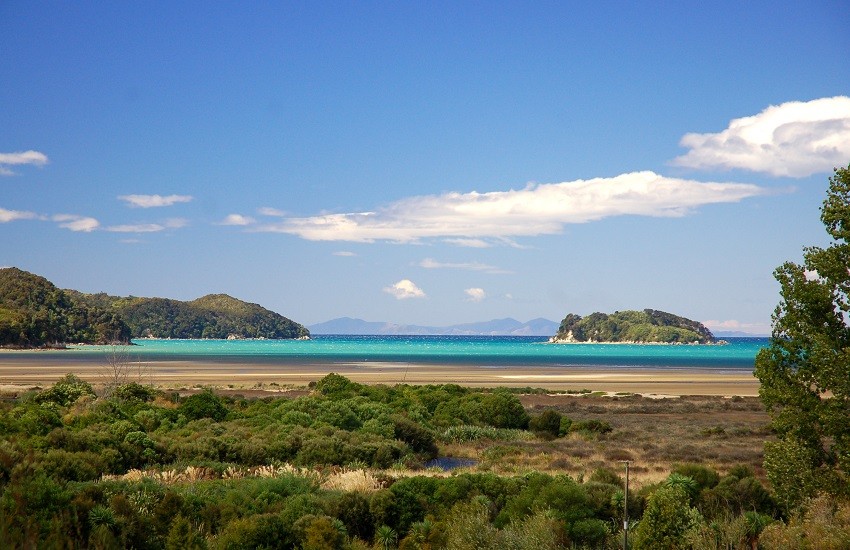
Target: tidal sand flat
(469, 361)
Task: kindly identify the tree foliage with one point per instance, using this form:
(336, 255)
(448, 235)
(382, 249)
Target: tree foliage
(805, 372)
(34, 313)
(216, 316)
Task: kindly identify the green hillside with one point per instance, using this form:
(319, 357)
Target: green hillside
(213, 316)
(647, 326)
(34, 313)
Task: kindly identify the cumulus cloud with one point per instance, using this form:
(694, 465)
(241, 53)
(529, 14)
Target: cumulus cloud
(13, 215)
(793, 139)
(430, 263)
(475, 294)
(405, 289)
(19, 158)
(237, 219)
(74, 222)
(153, 201)
(498, 216)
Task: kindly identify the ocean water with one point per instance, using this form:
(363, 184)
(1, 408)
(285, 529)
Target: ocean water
(483, 351)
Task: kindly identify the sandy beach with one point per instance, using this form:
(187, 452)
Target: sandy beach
(23, 369)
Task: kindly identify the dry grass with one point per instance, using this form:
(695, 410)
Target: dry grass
(653, 434)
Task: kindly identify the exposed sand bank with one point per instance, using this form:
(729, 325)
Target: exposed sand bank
(17, 371)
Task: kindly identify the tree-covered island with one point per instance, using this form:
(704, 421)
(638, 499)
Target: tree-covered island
(645, 327)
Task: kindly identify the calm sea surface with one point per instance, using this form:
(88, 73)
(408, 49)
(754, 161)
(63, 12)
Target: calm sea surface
(484, 351)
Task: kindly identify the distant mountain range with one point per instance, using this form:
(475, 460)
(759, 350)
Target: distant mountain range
(496, 327)
(738, 334)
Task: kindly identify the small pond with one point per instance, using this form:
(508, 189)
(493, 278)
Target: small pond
(448, 463)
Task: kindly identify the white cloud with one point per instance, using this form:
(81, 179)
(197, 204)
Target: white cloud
(152, 201)
(475, 294)
(499, 216)
(430, 263)
(794, 139)
(174, 223)
(76, 223)
(22, 157)
(136, 228)
(269, 211)
(405, 289)
(12, 215)
(344, 253)
(471, 243)
(237, 219)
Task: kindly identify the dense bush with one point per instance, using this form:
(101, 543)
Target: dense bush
(203, 405)
(214, 475)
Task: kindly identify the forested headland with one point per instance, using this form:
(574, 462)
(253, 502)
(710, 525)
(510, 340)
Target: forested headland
(35, 313)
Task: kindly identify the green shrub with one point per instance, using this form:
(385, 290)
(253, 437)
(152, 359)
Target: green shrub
(258, 531)
(183, 536)
(420, 439)
(547, 424)
(65, 391)
(134, 392)
(203, 405)
(502, 409)
(72, 466)
(352, 509)
(336, 385)
(705, 477)
(36, 419)
(667, 520)
(592, 426)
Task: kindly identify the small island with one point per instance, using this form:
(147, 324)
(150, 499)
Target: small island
(632, 327)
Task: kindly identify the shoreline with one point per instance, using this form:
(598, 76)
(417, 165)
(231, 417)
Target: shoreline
(16, 372)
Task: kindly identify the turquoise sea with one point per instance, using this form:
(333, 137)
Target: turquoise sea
(484, 351)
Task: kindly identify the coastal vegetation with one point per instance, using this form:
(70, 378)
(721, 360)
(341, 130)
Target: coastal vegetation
(216, 316)
(34, 313)
(647, 326)
(805, 373)
(344, 465)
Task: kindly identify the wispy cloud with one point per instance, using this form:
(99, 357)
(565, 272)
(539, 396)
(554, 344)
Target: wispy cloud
(175, 223)
(430, 263)
(74, 222)
(273, 212)
(154, 201)
(471, 243)
(405, 289)
(344, 253)
(237, 219)
(475, 294)
(498, 216)
(19, 158)
(793, 139)
(13, 215)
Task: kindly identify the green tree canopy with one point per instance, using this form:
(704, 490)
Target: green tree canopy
(805, 372)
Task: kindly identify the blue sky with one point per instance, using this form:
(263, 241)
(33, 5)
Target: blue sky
(428, 163)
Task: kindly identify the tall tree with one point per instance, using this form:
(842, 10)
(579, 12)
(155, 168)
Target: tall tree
(805, 372)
